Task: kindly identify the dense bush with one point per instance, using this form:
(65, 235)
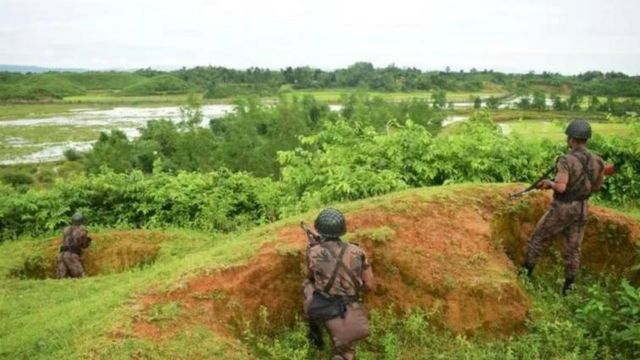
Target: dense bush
(219, 201)
(17, 179)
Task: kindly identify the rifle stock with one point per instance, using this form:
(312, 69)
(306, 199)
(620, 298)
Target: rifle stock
(313, 237)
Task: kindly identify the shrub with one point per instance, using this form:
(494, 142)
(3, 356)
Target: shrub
(16, 179)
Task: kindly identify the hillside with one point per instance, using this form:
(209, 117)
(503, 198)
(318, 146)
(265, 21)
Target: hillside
(445, 252)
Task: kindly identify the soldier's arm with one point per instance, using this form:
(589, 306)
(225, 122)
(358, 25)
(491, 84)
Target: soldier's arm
(561, 180)
(597, 184)
(87, 238)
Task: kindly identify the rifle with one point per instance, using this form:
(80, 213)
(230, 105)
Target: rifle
(315, 331)
(609, 170)
(534, 185)
(313, 237)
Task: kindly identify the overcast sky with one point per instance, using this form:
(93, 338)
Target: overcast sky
(567, 36)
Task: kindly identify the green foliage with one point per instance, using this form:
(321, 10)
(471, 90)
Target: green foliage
(72, 154)
(220, 201)
(17, 179)
(162, 84)
(613, 318)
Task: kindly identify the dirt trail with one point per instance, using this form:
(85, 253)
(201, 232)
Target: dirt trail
(451, 257)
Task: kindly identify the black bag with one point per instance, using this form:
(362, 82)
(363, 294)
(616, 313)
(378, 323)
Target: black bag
(323, 306)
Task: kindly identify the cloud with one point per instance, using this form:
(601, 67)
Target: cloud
(568, 36)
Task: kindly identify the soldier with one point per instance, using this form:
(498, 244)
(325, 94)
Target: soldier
(578, 174)
(337, 272)
(74, 240)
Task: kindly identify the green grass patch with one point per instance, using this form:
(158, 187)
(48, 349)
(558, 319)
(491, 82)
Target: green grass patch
(49, 133)
(554, 130)
(17, 111)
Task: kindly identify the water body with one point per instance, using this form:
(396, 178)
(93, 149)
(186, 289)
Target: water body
(127, 119)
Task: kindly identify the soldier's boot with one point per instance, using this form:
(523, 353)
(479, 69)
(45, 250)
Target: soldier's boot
(315, 335)
(568, 286)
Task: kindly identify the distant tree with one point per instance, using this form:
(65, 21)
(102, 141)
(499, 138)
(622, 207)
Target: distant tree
(477, 103)
(558, 104)
(493, 103)
(594, 103)
(524, 103)
(439, 98)
(539, 101)
(573, 103)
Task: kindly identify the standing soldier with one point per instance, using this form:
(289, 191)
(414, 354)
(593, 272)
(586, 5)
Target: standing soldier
(337, 273)
(578, 174)
(74, 240)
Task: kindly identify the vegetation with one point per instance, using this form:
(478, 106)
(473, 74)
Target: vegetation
(220, 82)
(162, 84)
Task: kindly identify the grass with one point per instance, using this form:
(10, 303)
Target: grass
(49, 133)
(18, 111)
(555, 130)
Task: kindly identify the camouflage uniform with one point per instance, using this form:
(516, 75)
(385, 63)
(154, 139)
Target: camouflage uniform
(69, 262)
(568, 213)
(320, 266)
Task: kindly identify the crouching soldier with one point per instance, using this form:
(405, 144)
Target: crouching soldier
(578, 175)
(75, 239)
(337, 274)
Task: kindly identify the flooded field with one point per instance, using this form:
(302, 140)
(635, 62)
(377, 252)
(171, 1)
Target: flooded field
(35, 140)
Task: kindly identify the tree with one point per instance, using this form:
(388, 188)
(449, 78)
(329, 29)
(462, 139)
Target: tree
(439, 98)
(477, 103)
(493, 103)
(539, 101)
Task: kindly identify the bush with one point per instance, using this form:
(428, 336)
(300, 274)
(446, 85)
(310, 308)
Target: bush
(72, 154)
(16, 179)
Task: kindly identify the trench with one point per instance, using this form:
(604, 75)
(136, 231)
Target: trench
(109, 253)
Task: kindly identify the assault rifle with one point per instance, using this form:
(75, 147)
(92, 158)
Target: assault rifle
(313, 237)
(533, 185)
(609, 170)
(315, 331)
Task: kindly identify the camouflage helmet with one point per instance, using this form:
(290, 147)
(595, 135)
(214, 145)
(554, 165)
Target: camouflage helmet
(77, 219)
(579, 129)
(331, 224)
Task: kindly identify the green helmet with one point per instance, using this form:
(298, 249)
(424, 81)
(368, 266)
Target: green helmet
(579, 129)
(77, 219)
(331, 224)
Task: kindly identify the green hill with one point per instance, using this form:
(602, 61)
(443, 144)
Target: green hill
(443, 257)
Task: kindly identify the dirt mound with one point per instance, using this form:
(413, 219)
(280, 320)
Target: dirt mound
(451, 256)
(109, 253)
(610, 244)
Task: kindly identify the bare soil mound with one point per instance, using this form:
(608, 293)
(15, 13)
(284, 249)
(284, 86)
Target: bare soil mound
(451, 256)
(109, 253)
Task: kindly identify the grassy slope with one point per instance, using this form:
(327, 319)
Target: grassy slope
(48, 318)
(81, 318)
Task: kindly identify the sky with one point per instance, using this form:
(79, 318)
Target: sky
(566, 36)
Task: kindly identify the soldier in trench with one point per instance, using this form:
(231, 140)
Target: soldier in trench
(337, 275)
(74, 240)
(579, 173)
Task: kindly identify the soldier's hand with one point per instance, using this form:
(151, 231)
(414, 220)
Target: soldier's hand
(545, 184)
(609, 169)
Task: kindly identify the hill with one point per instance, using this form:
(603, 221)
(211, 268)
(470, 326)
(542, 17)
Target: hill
(448, 253)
